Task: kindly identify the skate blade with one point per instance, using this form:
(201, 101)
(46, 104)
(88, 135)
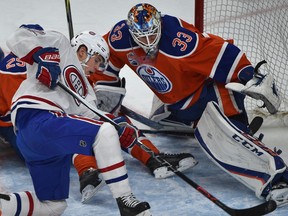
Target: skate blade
(145, 213)
(89, 191)
(184, 164)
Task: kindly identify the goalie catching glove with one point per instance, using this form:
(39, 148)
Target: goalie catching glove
(48, 60)
(260, 87)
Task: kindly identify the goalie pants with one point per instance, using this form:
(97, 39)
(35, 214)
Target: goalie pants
(232, 103)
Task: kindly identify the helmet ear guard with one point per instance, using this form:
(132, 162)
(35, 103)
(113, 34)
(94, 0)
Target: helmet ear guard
(94, 43)
(144, 22)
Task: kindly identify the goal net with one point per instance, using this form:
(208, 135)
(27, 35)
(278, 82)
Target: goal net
(260, 29)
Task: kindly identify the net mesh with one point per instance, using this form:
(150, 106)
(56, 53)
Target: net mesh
(259, 28)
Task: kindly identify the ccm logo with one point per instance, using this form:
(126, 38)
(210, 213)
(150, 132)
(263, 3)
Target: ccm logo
(247, 145)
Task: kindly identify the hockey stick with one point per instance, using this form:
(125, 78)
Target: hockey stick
(69, 18)
(142, 119)
(157, 128)
(261, 209)
(254, 126)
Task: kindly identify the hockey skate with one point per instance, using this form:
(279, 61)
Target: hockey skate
(260, 87)
(279, 193)
(130, 206)
(90, 183)
(181, 162)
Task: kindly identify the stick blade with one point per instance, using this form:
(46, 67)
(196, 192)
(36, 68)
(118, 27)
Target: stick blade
(262, 209)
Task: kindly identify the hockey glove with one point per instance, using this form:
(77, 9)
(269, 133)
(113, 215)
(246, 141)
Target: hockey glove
(48, 66)
(127, 133)
(127, 136)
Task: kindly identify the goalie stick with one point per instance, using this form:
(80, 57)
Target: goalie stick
(261, 209)
(156, 127)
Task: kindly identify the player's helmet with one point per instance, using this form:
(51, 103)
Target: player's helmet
(94, 43)
(144, 22)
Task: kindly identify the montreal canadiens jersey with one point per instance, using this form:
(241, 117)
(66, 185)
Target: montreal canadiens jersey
(32, 93)
(12, 73)
(186, 60)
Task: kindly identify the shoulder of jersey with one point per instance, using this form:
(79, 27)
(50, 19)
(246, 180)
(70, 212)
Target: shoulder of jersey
(176, 40)
(120, 38)
(11, 64)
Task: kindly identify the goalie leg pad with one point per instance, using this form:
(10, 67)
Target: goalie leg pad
(237, 153)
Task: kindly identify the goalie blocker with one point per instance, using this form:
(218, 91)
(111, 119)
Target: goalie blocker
(242, 156)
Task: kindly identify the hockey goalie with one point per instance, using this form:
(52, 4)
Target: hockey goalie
(242, 156)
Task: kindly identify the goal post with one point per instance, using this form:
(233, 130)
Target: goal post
(260, 29)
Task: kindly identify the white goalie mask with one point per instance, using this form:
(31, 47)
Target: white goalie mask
(144, 22)
(95, 44)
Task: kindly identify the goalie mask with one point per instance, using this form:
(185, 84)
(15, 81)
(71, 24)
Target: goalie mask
(95, 44)
(144, 22)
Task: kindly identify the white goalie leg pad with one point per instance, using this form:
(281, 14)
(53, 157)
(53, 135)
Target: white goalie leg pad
(237, 153)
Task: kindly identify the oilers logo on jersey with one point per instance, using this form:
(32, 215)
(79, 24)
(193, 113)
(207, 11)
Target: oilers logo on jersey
(154, 78)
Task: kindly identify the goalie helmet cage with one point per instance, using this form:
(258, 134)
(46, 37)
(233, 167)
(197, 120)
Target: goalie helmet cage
(260, 29)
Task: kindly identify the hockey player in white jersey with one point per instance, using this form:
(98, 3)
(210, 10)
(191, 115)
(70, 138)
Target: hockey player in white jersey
(51, 126)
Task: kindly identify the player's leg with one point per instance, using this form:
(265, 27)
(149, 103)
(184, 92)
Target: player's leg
(78, 136)
(88, 136)
(50, 173)
(242, 156)
(90, 181)
(109, 98)
(181, 161)
(27, 203)
(113, 169)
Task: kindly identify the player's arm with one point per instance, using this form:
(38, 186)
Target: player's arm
(28, 44)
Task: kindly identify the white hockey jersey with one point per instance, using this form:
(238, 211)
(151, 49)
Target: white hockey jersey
(32, 93)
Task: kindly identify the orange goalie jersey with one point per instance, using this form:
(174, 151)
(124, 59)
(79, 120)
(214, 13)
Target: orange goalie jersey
(186, 60)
